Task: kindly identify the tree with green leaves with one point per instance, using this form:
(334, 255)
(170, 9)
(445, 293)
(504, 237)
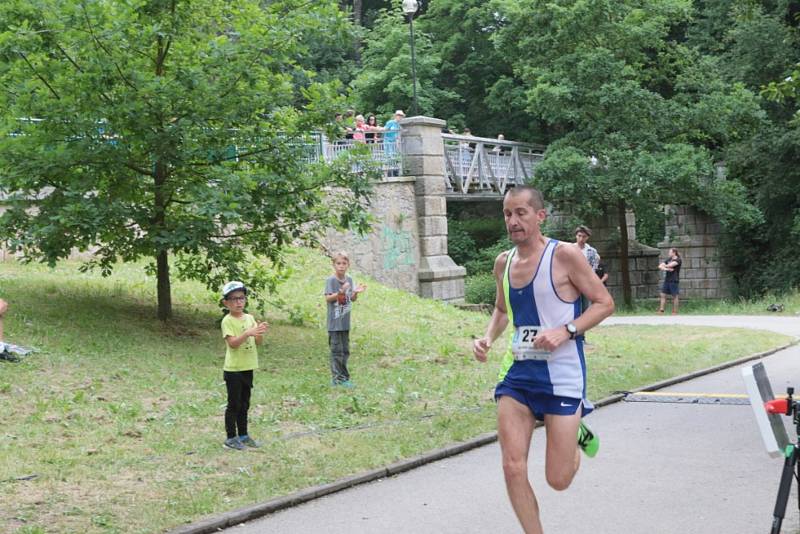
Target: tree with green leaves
(639, 114)
(758, 45)
(384, 82)
(462, 76)
(169, 130)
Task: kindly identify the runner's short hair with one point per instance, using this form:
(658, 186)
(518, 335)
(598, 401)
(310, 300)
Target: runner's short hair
(536, 200)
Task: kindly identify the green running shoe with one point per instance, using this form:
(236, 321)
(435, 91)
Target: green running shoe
(588, 440)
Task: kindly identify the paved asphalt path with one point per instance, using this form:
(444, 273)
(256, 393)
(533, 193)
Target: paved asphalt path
(662, 469)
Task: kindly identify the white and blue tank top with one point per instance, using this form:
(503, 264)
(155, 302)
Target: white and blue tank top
(536, 303)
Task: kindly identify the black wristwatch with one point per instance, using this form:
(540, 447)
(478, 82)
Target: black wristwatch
(572, 329)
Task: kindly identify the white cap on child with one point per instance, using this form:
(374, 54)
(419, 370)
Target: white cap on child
(232, 286)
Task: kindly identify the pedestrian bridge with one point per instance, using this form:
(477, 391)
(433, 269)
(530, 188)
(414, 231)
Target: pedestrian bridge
(472, 166)
(407, 248)
(427, 169)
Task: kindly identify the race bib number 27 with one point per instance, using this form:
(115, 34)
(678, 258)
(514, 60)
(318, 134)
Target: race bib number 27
(522, 344)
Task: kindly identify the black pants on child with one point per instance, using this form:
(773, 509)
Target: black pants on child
(239, 385)
(339, 342)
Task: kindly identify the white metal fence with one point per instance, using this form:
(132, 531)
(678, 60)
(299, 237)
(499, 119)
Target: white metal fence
(384, 149)
(484, 165)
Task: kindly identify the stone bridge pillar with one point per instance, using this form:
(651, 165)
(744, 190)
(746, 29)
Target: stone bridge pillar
(423, 159)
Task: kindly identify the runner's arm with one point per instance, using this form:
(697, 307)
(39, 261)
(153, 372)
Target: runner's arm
(581, 276)
(499, 321)
(587, 283)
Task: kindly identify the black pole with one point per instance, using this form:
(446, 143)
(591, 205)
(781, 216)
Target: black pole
(784, 489)
(791, 468)
(413, 65)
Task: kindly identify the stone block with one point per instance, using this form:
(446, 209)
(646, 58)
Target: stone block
(429, 205)
(693, 274)
(440, 278)
(440, 267)
(430, 185)
(433, 226)
(424, 165)
(647, 263)
(433, 246)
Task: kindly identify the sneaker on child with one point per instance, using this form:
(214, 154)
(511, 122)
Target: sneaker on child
(234, 443)
(247, 441)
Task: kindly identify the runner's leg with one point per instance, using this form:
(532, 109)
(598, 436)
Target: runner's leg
(515, 424)
(563, 458)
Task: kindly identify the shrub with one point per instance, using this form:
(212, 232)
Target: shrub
(485, 231)
(480, 288)
(484, 260)
(460, 245)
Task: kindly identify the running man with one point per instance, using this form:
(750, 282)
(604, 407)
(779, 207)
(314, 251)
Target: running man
(539, 283)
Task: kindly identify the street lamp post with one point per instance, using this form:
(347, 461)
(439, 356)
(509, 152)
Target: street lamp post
(410, 8)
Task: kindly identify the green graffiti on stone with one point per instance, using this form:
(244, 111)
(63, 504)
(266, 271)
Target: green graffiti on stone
(397, 247)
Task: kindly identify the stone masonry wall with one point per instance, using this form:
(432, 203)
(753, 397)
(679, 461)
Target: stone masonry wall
(390, 253)
(696, 236)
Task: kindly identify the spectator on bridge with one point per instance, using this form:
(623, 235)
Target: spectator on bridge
(497, 148)
(341, 129)
(349, 124)
(390, 140)
(373, 128)
(360, 131)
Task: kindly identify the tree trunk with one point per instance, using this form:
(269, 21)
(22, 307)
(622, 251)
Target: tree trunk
(162, 254)
(357, 16)
(163, 286)
(623, 252)
(160, 174)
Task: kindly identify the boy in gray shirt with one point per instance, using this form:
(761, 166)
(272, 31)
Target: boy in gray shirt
(340, 294)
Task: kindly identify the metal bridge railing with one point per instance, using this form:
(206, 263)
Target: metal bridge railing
(485, 165)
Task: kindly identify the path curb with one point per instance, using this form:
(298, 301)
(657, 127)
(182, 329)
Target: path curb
(248, 513)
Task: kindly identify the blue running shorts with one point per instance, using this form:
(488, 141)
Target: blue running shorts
(541, 403)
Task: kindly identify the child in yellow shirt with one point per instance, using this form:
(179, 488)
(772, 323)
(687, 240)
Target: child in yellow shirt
(242, 333)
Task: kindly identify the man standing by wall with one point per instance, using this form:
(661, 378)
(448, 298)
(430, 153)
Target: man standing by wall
(582, 235)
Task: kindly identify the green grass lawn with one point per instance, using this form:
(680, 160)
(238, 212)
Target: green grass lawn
(116, 424)
(731, 306)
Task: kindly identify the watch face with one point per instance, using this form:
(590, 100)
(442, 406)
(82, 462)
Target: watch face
(571, 328)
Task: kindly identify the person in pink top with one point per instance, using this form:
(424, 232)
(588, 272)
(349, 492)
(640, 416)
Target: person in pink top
(359, 135)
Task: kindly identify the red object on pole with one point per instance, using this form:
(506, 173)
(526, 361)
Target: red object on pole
(779, 406)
